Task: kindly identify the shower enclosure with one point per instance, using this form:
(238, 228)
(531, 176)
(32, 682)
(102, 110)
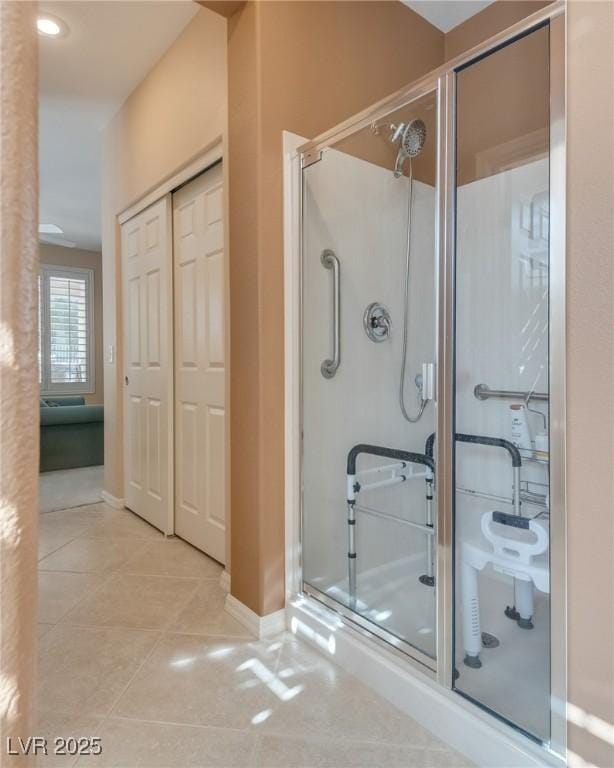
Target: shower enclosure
(431, 375)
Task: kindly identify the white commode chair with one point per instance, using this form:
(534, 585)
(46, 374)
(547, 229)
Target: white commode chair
(515, 546)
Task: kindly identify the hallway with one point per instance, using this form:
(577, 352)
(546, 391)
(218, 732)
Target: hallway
(135, 646)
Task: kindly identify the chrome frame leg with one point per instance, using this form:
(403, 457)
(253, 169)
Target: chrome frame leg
(428, 579)
(472, 634)
(352, 555)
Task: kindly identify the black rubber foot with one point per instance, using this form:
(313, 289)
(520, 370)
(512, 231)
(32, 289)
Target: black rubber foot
(489, 641)
(472, 661)
(428, 581)
(525, 623)
(455, 674)
(512, 613)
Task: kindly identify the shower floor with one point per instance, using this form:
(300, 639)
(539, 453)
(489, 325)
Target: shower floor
(392, 597)
(514, 680)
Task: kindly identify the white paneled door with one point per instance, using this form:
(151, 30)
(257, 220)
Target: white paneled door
(148, 354)
(198, 255)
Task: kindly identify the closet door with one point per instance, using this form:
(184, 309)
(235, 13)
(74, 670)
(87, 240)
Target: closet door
(198, 235)
(148, 345)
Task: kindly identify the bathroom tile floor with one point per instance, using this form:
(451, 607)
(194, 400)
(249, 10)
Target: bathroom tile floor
(135, 647)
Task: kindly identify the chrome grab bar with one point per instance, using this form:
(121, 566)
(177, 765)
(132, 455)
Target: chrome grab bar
(426, 529)
(330, 261)
(494, 442)
(483, 392)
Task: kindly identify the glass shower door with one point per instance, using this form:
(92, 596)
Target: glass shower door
(501, 398)
(368, 513)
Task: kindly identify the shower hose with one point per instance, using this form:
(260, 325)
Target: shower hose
(423, 402)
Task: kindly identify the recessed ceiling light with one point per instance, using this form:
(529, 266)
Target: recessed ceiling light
(50, 26)
(50, 229)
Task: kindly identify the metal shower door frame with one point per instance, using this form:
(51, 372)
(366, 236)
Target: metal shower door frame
(309, 154)
(443, 82)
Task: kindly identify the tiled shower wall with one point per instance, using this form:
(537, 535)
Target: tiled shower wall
(359, 210)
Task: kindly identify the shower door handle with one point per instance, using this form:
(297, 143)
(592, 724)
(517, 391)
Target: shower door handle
(330, 261)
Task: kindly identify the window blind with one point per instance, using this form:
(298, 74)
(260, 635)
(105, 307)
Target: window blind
(66, 329)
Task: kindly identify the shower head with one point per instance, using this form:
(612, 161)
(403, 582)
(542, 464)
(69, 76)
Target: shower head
(412, 136)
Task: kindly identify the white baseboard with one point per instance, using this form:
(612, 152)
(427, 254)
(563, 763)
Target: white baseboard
(481, 738)
(112, 501)
(259, 626)
(225, 581)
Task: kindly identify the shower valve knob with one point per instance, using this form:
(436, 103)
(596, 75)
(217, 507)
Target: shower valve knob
(377, 322)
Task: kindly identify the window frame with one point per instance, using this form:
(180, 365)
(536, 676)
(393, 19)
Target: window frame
(47, 388)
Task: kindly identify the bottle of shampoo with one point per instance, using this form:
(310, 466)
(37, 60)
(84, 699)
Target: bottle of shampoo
(521, 437)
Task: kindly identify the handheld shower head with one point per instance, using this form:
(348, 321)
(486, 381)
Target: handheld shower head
(412, 136)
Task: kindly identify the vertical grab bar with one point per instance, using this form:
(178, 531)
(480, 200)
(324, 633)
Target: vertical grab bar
(330, 261)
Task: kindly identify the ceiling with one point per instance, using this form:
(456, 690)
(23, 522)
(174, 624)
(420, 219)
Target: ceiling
(85, 76)
(447, 14)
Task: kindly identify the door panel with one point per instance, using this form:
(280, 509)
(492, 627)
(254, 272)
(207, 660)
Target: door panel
(502, 506)
(146, 275)
(200, 515)
(371, 557)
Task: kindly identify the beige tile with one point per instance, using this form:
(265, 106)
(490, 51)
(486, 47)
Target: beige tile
(84, 670)
(132, 600)
(200, 680)
(121, 522)
(59, 591)
(51, 537)
(83, 515)
(205, 614)
(275, 752)
(57, 726)
(297, 656)
(77, 519)
(324, 702)
(43, 629)
(132, 744)
(172, 557)
(85, 555)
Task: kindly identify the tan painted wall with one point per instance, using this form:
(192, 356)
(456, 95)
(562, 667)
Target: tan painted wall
(75, 257)
(18, 372)
(176, 113)
(590, 375)
(301, 67)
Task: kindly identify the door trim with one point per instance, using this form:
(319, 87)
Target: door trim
(292, 418)
(194, 167)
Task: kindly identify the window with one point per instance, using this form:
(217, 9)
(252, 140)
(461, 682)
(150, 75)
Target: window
(66, 334)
